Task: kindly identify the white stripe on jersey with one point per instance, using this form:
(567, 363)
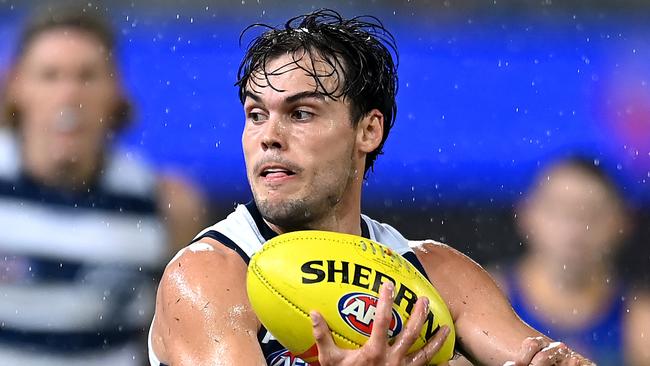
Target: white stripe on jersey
(69, 307)
(89, 235)
(9, 166)
(240, 227)
(125, 174)
(387, 235)
(129, 354)
(153, 359)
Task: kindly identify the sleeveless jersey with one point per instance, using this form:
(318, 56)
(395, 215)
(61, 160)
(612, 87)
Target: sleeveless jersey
(244, 231)
(77, 270)
(601, 340)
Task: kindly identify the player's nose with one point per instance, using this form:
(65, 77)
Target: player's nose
(274, 134)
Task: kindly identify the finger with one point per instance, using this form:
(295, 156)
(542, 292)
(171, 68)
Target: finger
(383, 314)
(406, 338)
(554, 353)
(529, 348)
(586, 362)
(426, 353)
(328, 351)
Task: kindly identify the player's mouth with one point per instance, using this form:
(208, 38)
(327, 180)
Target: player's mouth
(274, 173)
(67, 121)
(276, 169)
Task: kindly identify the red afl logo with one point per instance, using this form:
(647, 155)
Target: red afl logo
(358, 311)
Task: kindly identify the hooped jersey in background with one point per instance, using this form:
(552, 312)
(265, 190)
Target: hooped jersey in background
(77, 269)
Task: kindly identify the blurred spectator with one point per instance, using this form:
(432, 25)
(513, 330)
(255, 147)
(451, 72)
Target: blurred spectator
(566, 285)
(85, 230)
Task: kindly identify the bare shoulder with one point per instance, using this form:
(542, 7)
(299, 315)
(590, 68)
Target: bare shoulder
(202, 307)
(442, 262)
(201, 270)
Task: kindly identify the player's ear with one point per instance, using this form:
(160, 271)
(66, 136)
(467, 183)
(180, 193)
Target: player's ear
(525, 210)
(370, 131)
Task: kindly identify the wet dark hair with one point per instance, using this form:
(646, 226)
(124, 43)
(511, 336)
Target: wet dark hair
(82, 18)
(360, 51)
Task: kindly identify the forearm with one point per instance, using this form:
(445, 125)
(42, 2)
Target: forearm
(221, 353)
(492, 344)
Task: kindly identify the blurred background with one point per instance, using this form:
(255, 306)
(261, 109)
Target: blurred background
(489, 92)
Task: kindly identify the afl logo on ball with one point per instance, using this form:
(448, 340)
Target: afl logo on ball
(284, 358)
(358, 311)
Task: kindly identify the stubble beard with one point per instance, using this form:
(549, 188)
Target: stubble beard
(311, 210)
(293, 214)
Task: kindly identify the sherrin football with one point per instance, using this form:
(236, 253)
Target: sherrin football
(339, 276)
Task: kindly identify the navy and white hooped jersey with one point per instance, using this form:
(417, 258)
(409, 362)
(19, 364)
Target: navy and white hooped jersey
(244, 231)
(77, 270)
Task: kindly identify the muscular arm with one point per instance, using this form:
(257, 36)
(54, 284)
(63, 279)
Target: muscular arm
(203, 316)
(487, 328)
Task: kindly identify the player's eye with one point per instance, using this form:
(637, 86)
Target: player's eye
(48, 74)
(88, 75)
(301, 115)
(256, 117)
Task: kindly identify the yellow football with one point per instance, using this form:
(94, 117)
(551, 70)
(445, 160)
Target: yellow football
(339, 276)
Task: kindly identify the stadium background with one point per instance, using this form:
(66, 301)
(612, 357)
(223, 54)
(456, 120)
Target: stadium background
(489, 91)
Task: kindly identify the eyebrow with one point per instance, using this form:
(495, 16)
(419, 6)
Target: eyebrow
(305, 95)
(254, 97)
(290, 99)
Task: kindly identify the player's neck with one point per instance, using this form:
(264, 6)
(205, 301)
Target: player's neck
(570, 303)
(569, 279)
(64, 174)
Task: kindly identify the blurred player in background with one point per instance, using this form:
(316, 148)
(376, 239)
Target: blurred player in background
(85, 230)
(319, 102)
(574, 221)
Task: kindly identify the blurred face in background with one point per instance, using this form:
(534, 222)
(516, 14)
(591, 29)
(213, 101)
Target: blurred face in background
(572, 219)
(65, 91)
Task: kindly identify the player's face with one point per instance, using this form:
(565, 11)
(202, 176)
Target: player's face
(299, 145)
(65, 91)
(573, 218)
